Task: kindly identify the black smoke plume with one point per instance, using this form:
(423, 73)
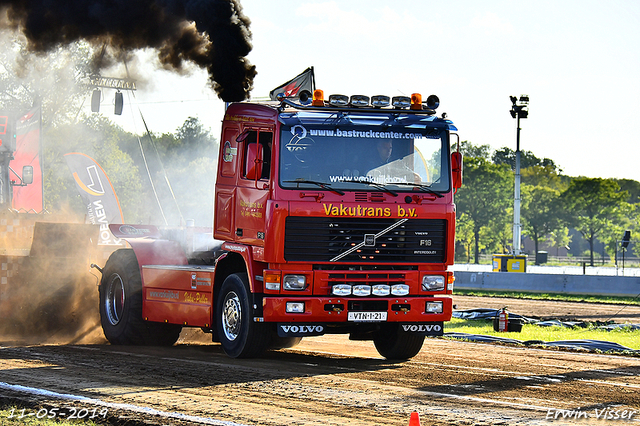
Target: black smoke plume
(213, 34)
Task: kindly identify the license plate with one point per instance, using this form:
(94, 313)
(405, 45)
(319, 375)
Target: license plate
(367, 316)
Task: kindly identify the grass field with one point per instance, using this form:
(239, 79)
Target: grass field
(624, 337)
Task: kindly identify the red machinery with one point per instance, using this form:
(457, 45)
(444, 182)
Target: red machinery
(337, 216)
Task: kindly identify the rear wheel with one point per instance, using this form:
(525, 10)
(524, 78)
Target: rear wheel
(121, 305)
(239, 335)
(393, 343)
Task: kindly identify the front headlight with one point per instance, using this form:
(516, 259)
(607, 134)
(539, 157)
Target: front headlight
(433, 283)
(341, 290)
(400, 289)
(295, 307)
(294, 282)
(434, 308)
(361, 290)
(381, 290)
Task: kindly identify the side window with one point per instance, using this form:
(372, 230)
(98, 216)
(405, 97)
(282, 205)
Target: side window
(266, 140)
(257, 155)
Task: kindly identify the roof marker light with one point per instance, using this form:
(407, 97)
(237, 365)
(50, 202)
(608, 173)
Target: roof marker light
(318, 98)
(416, 101)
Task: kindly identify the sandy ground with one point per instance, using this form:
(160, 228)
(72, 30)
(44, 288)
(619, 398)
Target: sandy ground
(330, 380)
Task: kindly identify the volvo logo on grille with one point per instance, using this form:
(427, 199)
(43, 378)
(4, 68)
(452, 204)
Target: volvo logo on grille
(369, 240)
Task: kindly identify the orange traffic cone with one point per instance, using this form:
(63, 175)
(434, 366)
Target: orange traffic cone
(415, 419)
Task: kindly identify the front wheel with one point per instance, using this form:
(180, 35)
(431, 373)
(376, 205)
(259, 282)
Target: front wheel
(239, 335)
(393, 343)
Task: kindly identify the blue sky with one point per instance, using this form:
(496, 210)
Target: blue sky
(579, 62)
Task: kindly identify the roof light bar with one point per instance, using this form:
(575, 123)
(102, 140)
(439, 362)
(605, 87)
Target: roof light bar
(359, 100)
(380, 101)
(338, 100)
(401, 101)
(414, 102)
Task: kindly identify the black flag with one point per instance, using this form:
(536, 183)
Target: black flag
(303, 81)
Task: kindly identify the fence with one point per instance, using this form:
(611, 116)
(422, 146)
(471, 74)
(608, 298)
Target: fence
(598, 261)
(603, 285)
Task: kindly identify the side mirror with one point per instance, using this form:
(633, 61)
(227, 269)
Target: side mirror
(27, 175)
(456, 170)
(253, 164)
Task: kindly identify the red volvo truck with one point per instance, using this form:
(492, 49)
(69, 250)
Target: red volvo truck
(336, 215)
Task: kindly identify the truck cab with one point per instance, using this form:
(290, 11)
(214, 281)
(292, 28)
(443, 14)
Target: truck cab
(337, 216)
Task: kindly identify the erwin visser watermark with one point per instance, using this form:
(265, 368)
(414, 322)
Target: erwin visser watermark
(606, 413)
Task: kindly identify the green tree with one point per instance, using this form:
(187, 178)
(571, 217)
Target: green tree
(632, 187)
(478, 151)
(591, 205)
(539, 211)
(485, 195)
(546, 176)
(464, 237)
(497, 237)
(560, 238)
(527, 159)
(613, 231)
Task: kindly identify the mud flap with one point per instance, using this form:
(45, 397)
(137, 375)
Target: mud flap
(300, 330)
(424, 329)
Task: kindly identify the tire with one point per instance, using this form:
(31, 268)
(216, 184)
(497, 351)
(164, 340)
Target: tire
(121, 305)
(394, 344)
(239, 335)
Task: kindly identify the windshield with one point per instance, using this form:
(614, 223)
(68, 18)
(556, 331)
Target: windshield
(351, 156)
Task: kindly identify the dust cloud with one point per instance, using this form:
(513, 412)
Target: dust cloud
(49, 296)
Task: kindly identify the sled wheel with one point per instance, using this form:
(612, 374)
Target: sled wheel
(393, 343)
(121, 305)
(239, 335)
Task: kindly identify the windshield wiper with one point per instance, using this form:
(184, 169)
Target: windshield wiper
(425, 188)
(377, 185)
(313, 182)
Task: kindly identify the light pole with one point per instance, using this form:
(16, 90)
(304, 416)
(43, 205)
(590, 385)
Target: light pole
(519, 110)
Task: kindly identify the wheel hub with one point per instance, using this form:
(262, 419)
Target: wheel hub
(231, 316)
(114, 300)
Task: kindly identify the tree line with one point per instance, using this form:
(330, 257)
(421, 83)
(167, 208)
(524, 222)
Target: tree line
(556, 209)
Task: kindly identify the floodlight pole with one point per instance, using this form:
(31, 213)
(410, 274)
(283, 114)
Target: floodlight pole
(516, 197)
(518, 110)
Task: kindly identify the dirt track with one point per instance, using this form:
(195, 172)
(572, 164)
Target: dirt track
(553, 309)
(332, 381)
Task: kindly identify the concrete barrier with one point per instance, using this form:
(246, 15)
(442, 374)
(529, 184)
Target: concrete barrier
(547, 283)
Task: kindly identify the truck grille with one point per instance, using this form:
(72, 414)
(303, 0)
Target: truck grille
(315, 239)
